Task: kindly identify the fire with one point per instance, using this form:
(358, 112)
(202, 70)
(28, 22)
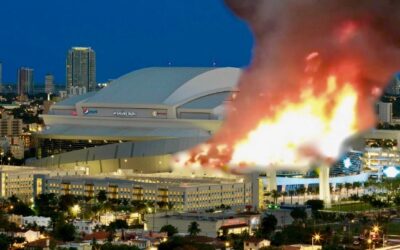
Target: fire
(299, 134)
(315, 126)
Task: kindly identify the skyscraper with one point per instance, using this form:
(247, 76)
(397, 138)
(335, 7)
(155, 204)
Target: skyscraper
(25, 81)
(49, 84)
(81, 68)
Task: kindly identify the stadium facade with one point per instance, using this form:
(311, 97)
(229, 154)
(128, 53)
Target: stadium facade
(138, 121)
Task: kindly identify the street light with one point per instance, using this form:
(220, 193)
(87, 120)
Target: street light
(227, 245)
(76, 209)
(375, 228)
(369, 243)
(316, 237)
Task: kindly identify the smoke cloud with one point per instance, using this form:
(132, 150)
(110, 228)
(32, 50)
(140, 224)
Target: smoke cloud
(357, 40)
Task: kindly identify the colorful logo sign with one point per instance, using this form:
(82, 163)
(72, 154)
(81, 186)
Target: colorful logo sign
(88, 111)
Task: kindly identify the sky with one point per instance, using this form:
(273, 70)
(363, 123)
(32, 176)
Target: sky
(125, 34)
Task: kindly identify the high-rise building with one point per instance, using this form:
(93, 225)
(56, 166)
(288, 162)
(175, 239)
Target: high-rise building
(384, 112)
(81, 68)
(49, 84)
(393, 88)
(25, 81)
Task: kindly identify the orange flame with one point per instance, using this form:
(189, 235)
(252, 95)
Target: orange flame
(316, 125)
(299, 132)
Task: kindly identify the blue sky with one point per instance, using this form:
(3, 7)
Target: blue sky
(126, 35)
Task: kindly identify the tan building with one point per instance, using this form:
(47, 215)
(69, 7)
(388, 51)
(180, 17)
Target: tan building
(186, 193)
(9, 126)
(18, 181)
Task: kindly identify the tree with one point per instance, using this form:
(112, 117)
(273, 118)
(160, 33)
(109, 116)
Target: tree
(101, 196)
(67, 201)
(356, 185)
(5, 241)
(118, 224)
(291, 193)
(339, 187)
(284, 194)
(298, 214)
(169, 229)
(315, 204)
(46, 205)
(193, 228)
(267, 226)
(64, 231)
(275, 195)
(21, 208)
(300, 191)
(347, 186)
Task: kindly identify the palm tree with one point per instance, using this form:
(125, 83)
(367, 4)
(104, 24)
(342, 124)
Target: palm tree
(194, 228)
(348, 186)
(284, 194)
(291, 193)
(356, 185)
(301, 191)
(339, 187)
(275, 195)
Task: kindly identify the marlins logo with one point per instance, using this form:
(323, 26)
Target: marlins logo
(87, 111)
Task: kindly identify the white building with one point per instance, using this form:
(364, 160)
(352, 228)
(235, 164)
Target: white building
(255, 244)
(84, 226)
(384, 112)
(38, 220)
(29, 235)
(143, 117)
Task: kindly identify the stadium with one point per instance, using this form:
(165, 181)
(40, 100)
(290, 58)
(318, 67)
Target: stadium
(138, 121)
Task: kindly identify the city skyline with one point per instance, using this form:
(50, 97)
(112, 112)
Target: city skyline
(177, 34)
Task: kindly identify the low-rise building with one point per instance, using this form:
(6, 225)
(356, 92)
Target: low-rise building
(84, 226)
(211, 224)
(29, 235)
(302, 247)
(189, 194)
(22, 181)
(38, 220)
(255, 244)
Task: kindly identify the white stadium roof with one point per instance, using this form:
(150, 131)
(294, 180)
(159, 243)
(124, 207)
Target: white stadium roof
(174, 86)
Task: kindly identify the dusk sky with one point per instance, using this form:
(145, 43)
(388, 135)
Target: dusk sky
(126, 35)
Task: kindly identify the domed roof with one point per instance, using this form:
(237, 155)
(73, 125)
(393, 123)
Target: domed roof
(168, 85)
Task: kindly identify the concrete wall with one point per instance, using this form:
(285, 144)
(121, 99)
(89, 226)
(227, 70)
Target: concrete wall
(144, 156)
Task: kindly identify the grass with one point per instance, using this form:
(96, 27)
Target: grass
(393, 228)
(351, 207)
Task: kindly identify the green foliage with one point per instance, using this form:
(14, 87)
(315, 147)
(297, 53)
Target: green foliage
(101, 196)
(169, 229)
(5, 241)
(21, 208)
(298, 214)
(267, 226)
(194, 229)
(315, 204)
(67, 201)
(46, 205)
(118, 224)
(64, 231)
